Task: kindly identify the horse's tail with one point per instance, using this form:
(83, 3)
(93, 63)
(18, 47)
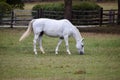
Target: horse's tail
(27, 32)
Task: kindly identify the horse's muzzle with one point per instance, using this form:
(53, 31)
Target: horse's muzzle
(81, 53)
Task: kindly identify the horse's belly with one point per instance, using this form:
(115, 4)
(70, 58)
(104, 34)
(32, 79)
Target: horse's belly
(52, 33)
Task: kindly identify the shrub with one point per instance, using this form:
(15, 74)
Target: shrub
(16, 3)
(86, 6)
(49, 6)
(4, 8)
(60, 6)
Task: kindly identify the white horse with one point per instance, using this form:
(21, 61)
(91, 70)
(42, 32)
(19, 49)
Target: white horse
(54, 28)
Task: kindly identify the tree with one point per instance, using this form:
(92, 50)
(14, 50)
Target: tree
(16, 3)
(2, 0)
(68, 9)
(118, 12)
(4, 8)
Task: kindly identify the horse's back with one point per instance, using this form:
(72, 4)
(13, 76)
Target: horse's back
(51, 27)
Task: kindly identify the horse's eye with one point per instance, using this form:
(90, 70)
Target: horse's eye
(82, 45)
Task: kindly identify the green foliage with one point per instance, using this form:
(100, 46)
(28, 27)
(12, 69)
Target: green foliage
(86, 6)
(16, 3)
(49, 6)
(60, 6)
(4, 7)
(2, 0)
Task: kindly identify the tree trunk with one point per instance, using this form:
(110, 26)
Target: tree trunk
(118, 12)
(68, 9)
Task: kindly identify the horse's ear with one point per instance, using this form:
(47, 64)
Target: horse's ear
(82, 39)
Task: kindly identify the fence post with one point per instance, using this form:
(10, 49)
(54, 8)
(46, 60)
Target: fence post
(12, 19)
(111, 16)
(39, 13)
(1, 18)
(101, 16)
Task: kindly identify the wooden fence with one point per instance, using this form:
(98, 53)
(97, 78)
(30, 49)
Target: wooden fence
(94, 17)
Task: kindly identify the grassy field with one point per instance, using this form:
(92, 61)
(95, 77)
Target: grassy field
(112, 5)
(18, 62)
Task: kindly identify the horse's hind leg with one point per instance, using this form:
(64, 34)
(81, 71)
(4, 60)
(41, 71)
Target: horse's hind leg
(34, 42)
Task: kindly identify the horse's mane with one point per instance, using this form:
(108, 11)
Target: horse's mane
(74, 27)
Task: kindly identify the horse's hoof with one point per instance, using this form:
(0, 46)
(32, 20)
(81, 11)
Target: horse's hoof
(81, 53)
(35, 53)
(43, 52)
(69, 53)
(56, 53)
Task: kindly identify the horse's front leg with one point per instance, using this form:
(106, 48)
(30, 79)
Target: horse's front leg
(67, 44)
(40, 43)
(56, 50)
(34, 43)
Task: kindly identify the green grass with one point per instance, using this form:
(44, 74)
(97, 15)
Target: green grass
(18, 62)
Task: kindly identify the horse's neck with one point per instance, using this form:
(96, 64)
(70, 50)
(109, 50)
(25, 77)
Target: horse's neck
(76, 34)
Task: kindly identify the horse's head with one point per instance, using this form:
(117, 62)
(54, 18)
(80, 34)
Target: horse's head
(80, 46)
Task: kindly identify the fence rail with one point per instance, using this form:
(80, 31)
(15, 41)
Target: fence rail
(86, 17)
(90, 17)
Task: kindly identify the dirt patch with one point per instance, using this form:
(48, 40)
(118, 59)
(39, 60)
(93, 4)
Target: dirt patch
(115, 29)
(80, 72)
